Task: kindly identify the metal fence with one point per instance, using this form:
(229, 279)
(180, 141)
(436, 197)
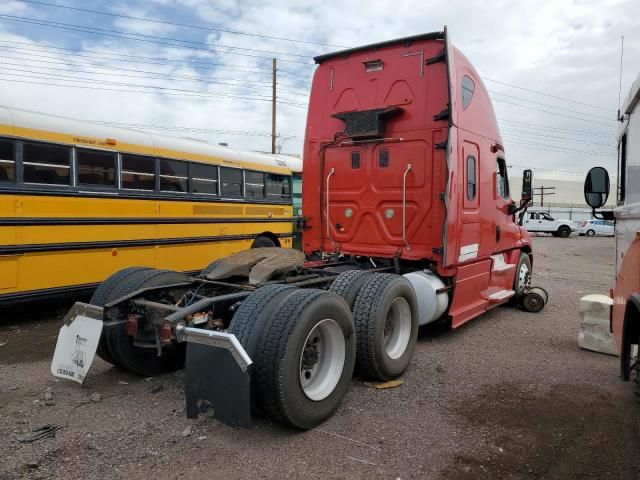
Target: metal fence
(575, 214)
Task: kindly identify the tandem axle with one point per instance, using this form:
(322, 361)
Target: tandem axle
(287, 346)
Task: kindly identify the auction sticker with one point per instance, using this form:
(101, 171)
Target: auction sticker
(76, 347)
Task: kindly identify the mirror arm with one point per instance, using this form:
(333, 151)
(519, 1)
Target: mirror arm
(607, 215)
(524, 204)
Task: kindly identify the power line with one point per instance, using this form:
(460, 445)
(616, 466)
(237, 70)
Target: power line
(147, 39)
(558, 149)
(158, 75)
(185, 25)
(138, 59)
(20, 50)
(553, 128)
(550, 106)
(196, 94)
(514, 131)
(189, 129)
(546, 94)
(551, 113)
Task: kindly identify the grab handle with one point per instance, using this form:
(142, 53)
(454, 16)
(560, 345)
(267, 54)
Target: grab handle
(404, 207)
(331, 172)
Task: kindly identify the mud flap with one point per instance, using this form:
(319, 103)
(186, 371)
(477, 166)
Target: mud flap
(77, 342)
(217, 377)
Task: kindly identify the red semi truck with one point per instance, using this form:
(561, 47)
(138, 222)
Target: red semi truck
(407, 219)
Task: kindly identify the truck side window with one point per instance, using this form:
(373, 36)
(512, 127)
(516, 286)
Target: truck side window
(622, 168)
(471, 177)
(503, 181)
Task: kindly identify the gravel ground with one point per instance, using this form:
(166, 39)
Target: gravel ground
(509, 395)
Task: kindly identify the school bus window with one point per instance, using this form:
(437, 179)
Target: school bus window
(278, 186)
(96, 168)
(7, 161)
(231, 181)
(46, 164)
(204, 178)
(173, 176)
(138, 172)
(253, 184)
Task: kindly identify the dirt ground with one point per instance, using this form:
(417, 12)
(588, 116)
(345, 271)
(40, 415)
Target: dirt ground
(510, 395)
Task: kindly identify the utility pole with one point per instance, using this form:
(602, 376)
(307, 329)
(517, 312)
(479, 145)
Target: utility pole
(542, 191)
(273, 107)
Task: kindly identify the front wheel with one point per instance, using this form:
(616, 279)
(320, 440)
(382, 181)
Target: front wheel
(564, 232)
(523, 275)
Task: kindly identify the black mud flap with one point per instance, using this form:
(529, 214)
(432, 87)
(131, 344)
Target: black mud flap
(218, 377)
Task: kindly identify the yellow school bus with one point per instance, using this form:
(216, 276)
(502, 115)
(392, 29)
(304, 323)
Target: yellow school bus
(80, 200)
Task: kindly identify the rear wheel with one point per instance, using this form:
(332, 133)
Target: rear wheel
(386, 318)
(306, 358)
(105, 293)
(137, 359)
(348, 284)
(564, 231)
(590, 233)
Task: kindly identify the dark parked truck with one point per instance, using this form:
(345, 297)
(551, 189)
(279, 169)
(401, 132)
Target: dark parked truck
(407, 219)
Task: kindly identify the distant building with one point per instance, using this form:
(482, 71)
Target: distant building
(569, 191)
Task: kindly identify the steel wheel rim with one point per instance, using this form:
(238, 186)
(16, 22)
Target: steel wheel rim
(397, 329)
(523, 277)
(322, 360)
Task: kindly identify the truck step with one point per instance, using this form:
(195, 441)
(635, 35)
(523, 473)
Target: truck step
(497, 295)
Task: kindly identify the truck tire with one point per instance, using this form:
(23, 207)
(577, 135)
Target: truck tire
(522, 277)
(262, 241)
(306, 358)
(386, 320)
(348, 284)
(250, 318)
(564, 231)
(105, 294)
(144, 361)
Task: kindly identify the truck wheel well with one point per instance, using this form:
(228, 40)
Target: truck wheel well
(630, 333)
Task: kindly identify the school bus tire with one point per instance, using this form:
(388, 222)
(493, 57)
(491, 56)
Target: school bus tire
(263, 241)
(105, 294)
(139, 360)
(386, 319)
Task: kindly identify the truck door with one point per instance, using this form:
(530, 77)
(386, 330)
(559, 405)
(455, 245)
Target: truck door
(505, 225)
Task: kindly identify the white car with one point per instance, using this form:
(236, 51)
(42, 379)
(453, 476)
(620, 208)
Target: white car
(542, 222)
(597, 227)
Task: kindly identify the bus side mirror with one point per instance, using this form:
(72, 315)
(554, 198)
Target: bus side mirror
(596, 187)
(527, 187)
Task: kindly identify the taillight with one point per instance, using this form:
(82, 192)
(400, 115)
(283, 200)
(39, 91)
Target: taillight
(165, 332)
(132, 324)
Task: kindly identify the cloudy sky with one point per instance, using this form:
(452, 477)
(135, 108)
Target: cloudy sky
(202, 68)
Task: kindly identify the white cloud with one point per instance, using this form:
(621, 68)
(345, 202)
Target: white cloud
(562, 47)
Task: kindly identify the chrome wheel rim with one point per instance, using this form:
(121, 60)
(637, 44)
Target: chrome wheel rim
(397, 328)
(322, 360)
(524, 277)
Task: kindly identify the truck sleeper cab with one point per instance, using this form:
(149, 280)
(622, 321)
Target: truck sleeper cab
(404, 162)
(407, 218)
